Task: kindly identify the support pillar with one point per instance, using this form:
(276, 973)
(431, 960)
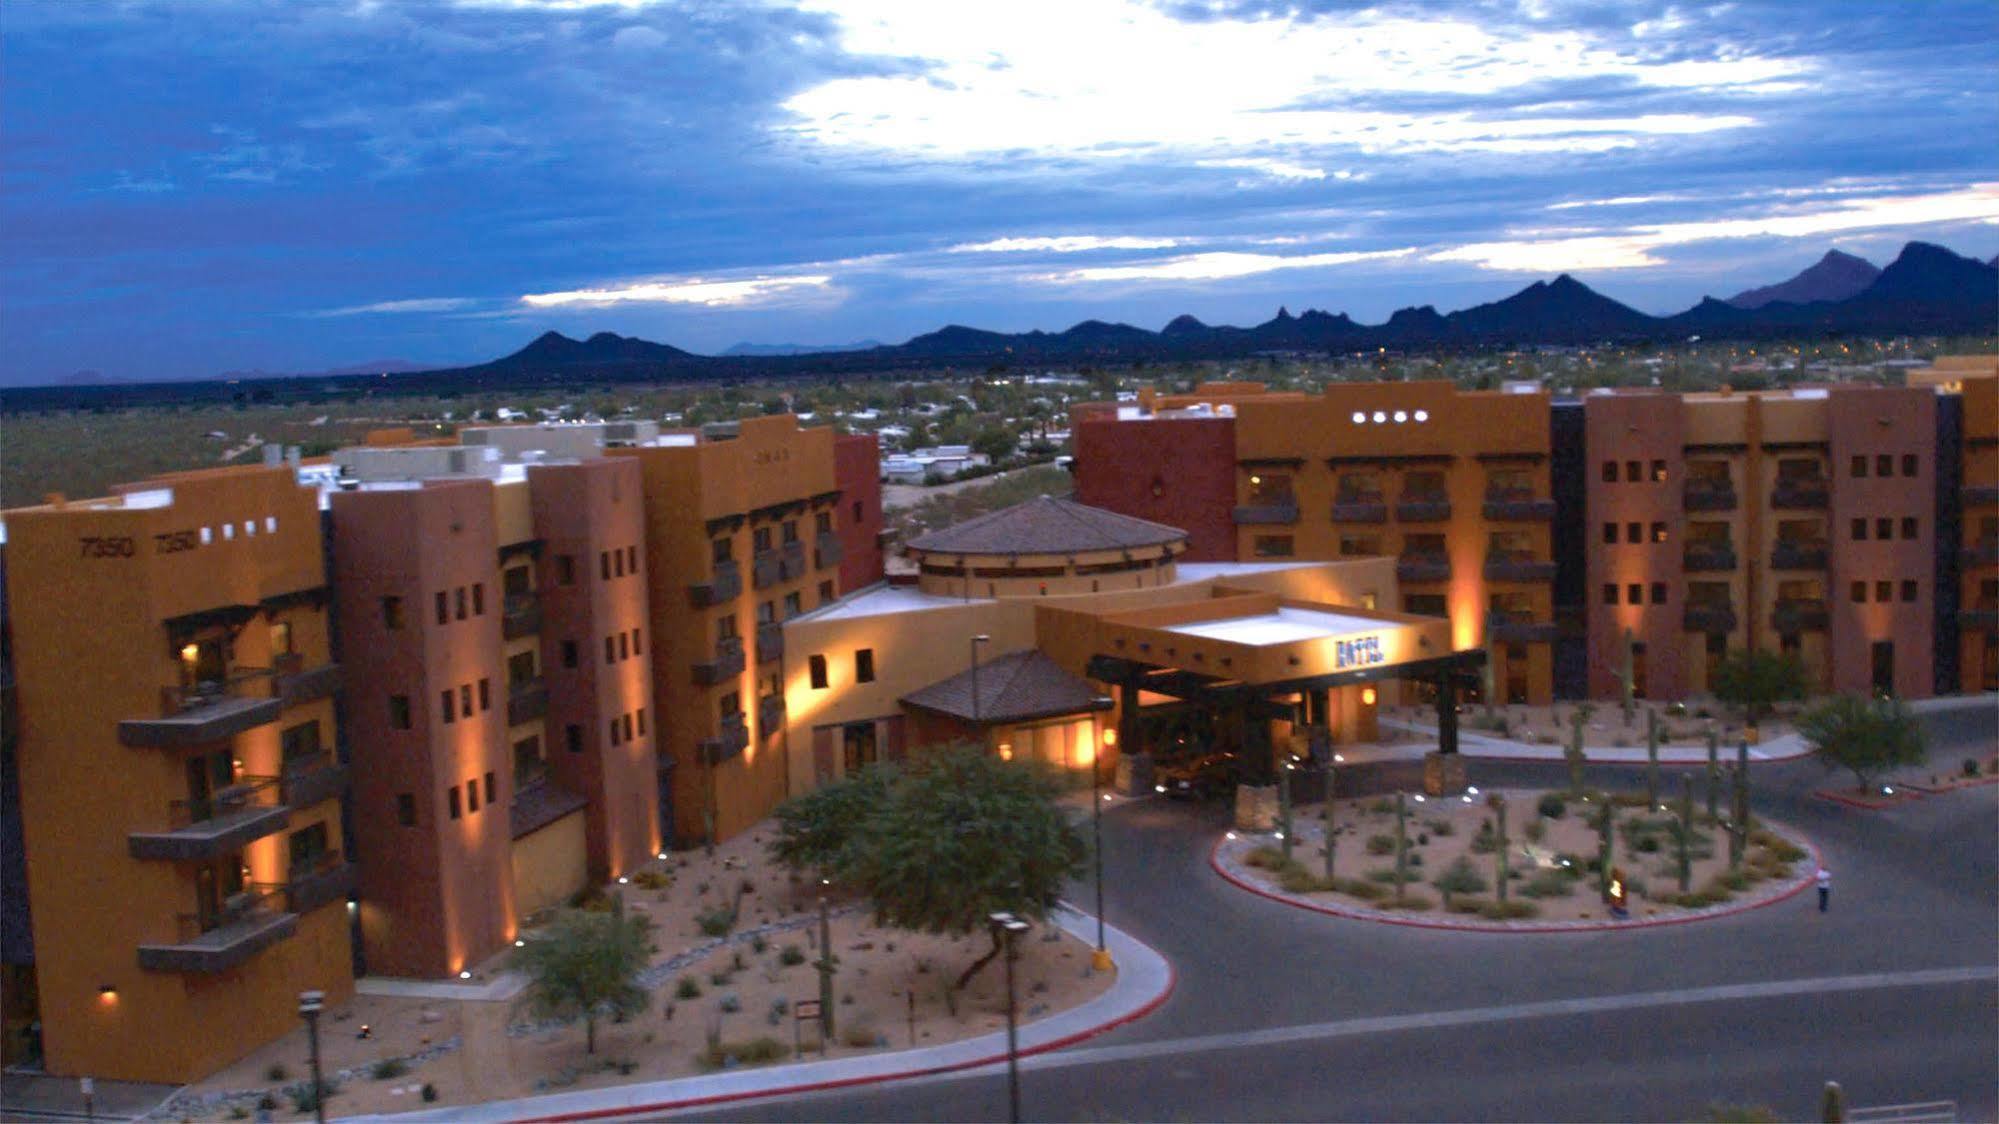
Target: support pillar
(1134, 757)
(1444, 769)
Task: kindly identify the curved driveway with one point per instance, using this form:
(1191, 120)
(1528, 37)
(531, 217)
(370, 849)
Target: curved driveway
(1285, 1014)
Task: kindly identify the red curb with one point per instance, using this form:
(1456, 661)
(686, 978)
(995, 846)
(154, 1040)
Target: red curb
(1903, 795)
(1144, 1009)
(1530, 759)
(1939, 790)
(1214, 863)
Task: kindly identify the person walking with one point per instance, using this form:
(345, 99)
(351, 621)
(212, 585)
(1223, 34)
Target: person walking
(1825, 888)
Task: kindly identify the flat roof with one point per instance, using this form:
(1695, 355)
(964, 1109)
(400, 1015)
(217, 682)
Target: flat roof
(884, 598)
(1202, 571)
(1284, 626)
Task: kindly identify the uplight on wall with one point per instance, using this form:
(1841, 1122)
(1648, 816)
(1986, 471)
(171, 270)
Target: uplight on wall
(107, 993)
(1367, 696)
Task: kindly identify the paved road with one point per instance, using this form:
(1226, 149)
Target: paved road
(1284, 1014)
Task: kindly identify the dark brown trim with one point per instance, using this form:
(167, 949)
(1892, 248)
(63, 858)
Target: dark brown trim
(1520, 458)
(1717, 447)
(722, 523)
(1797, 446)
(529, 547)
(1271, 462)
(824, 499)
(1390, 460)
(315, 596)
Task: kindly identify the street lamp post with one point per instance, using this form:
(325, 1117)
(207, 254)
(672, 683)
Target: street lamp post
(981, 638)
(310, 1004)
(1101, 959)
(1006, 927)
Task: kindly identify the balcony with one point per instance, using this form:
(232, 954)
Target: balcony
(727, 664)
(1798, 615)
(1709, 495)
(1798, 555)
(1360, 507)
(828, 551)
(1981, 495)
(246, 925)
(725, 586)
(1517, 505)
(791, 561)
(322, 880)
(1423, 507)
(1423, 567)
(1982, 552)
(1514, 629)
(311, 778)
(1715, 617)
(1979, 618)
(193, 716)
(770, 714)
(1266, 513)
(770, 642)
(731, 738)
(294, 684)
(1708, 557)
(764, 569)
(520, 616)
(1800, 495)
(219, 825)
(1517, 567)
(527, 700)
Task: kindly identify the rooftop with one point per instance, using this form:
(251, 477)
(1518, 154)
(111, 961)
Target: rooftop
(1284, 626)
(1046, 525)
(1015, 687)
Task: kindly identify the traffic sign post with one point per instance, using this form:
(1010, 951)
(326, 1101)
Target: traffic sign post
(802, 1010)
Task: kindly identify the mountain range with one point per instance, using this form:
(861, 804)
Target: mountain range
(1927, 289)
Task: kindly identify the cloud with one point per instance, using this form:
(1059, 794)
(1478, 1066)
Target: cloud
(1062, 244)
(639, 37)
(1275, 169)
(745, 292)
(151, 185)
(1637, 247)
(1218, 266)
(420, 304)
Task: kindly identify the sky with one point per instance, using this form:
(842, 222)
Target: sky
(192, 187)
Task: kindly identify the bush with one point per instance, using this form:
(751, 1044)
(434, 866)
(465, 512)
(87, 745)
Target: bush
(277, 1072)
(1295, 879)
(779, 1008)
(1265, 857)
(687, 988)
(267, 1103)
(1971, 766)
(1486, 841)
(1536, 831)
(758, 944)
(388, 1068)
(1552, 806)
(1443, 829)
(592, 898)
(730, 1004)
(1735, 880)
(1382, 807)
(429, 1092)
(1467, 906)
(1647, 843)
(306, 1097)
(756, 1051)
(1361, 888)
(720, 979)
(1549, 884)
(860, 1036)
(1386, 875)
(1508, 910)
(791, 956)
(716, 922)
(651, 880)
(1459, 878)
(1381, 844)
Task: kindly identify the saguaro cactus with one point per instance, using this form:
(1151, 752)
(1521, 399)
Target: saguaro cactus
(1713, 769)
(1573, 752)
(1686, 834)
(1738, 814)
(1401, 843)
(1627, 674)
(1832, 1105)
(1326, 815)
(1498, 805)
(1651, 756)
(1606, 844)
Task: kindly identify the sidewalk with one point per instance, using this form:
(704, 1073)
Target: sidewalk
(1144, 980)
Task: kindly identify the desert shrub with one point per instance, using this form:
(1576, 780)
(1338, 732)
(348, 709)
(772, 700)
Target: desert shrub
(387, 1068)
(860, 1035)
(238, 1112)
(720, 979)
(1295, 879)
(755, 1051)
(1971, 766)
(1415, 858)
(716, 922)
(277, 1072)
(730, 1004)
(1422, 839)
(1536, 831)
(306, 1096)
(1361, 888)
(1508, 910)
(1649, 844)
(592, 898)
(779, 1008)
(1264, 858)
(1387, 875)
(1630, 800)
(1382, 806)
(1733, 879)
(1381, 843)
(791, 956)
(1486, 841)
(651, 880)
(1459, 878)
(1552, 806)
(429, 1093)
(759, 943)
(267, 1103)
(687, 988)
(1549, 884)
(1443, 829)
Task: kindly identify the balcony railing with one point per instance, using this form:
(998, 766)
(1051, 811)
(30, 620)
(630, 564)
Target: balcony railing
(828, 551)
(732, 737)
(1982, 552)
(1423, 507)
(1360, 507)
(206, 713)
(770, 714)
(1425, 566)
(727, 664)
(791, 561)
(1981, 495)
(207, 943)
(1261, 513)
(1717, 616)
(1708, 557)
(1517, 629)
(216, 825)
(321, 880)
(1797, 555)
(1979, 618)
(723, 587)
(1514, 566)
(520, 616)
(295, 684)
(1800, 495)
(1703, 495)
(308, 779)
(527, 700)
(1517, 505)
(1797, 615)
(765, 570)
(770, 642)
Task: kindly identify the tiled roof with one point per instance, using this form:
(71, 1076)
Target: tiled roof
(1047, 526)
(1015, 687)
(541, 804)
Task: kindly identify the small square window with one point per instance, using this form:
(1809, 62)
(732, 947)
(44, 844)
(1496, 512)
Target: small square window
(1908, 526)
(1908, 589)
(478, 599)
(1634, 594)
(1658, 532)
(817, 665)
(572, 737)
(406, 809)
(1610, 532)
(1658, 472)
(392, 613)
(826, 595)
(1908, 464)
(1658, 593)
(864, 665)
(399, 712)
(1859, 593)
(1884, 464)
(1884, 529)
(1634, 532)
(1610, 472)
(1859, 530)
(565, 569)
(1610, 593)
(451, 801)
(1632, 472)
(1859, 465)
(1884, 591)
(569, 653)
(444, 706)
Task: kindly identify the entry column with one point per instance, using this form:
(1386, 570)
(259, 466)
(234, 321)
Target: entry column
(1444, 769)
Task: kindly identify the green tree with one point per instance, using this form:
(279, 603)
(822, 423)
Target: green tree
(584, 964)
(942, 844)
(996, 442)
(1753, 681)
(1863, 735)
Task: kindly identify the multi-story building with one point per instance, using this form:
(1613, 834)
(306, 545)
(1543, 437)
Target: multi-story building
(1455, 485)
(1968, 451)
(1798, 521)
(178, 781)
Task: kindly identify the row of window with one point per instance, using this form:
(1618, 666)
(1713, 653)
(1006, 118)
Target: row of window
(1884, 465)
(1635, 472)
(1884, 529)
(1884, 591)
(617, 563)
(864, 668)
(618, 646)
(627, 727)
(1634, 594)
(463, 697)
(1635, 532)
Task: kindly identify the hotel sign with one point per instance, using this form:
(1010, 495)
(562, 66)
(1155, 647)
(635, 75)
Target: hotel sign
(1364, 652)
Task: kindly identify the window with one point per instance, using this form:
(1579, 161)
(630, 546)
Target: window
(822, 523)
(794, 604)
(766, 612)
(443, 607)
(491, 788)
(1884, 591)
(569, 653)
(1859, 593)
(628, 727)
(444, 706)
(528, 765)
(281, 638)
(1658, 593)
(857, 511)
(1631, 472)
(617, 563)
(604, 565)
(631, 559)
(610, 649)
(1859, 465)
(471, 796)
(478, 599)
(1908, 464)
(465, 700)
(826, 593)
(1859, 530)
(1634, 594)
(725, 627)
(486, 694)
(520, 668)
(642, 721)
(515, 581)
(572, 737)
(1610, 593)
(1884, 529)
(1273, 546)
(760, 539)
(864, 665)
(399, 712)
(1609, 533)
(406, 809)
(1634, 532)
(1610, 472)
(817, 665)
(451, 801)
(461, 602)
(1908, 589)
(1658, 472)
(732, 704)
(300, 741)
(1908, 526)
(614, 731)
(1360, 546)
(565, 569)
(720, 550)
(1658, 532)
(624, 645)
(1884, 465)
(392, 613)
(791, 530)
(638, 649)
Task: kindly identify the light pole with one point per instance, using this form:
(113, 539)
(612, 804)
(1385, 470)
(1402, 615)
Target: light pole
(310, 1004)
(1006, 927)
(981, 638)
(1101, 959)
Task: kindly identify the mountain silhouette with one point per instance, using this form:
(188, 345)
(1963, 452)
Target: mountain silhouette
(1834, 277)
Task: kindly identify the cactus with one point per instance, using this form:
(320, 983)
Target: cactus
(1606, 844)
(1832, 1105)
(1713, 769)
(1651, 757)
(1737, 833)
(1686, 833)
(1498, 805)
(1327, 816)
(1491, 669)
(1626, 674)
(1573, 752)
(1401, 843)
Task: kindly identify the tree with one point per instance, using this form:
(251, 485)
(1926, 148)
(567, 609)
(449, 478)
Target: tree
(586, 963)
(996, 442)
(1458, 878)
(942, 844)
(1862, 735)
(1752, 681)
